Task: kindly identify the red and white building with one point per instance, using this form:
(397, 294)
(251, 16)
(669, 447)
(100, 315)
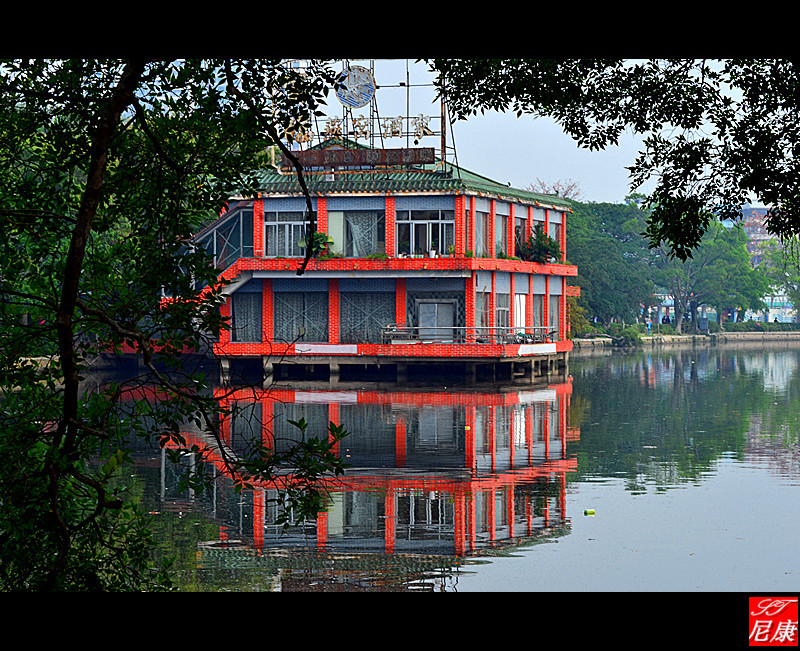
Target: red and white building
(422, 272)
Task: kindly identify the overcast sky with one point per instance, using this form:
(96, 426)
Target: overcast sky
(502, 147)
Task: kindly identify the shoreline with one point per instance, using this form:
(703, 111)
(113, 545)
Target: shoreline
(652, 341)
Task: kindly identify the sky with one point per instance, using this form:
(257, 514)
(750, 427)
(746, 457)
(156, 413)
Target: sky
(501, 146)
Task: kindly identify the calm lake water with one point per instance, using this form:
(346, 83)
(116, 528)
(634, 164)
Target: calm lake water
(654, 470)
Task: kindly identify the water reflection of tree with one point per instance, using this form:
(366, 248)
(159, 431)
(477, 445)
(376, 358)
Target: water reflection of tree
(664, 418)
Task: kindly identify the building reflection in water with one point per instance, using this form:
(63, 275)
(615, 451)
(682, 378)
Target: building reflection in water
(447, 473)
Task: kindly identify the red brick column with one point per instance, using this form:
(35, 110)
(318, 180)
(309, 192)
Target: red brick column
(400, 301)
(460, 226)
(333, 417)
(471, 229)
(225, 310)
(546, 304)
(469, 305)
(511, 300)
(492, 243)
(333, 311)
(510, 228)
(547, 221)
(529, 303)
(529, 223)
(391, 230)
(258, 228)
(563, 311)
(493, 300)
(322, 215)
(266, 310)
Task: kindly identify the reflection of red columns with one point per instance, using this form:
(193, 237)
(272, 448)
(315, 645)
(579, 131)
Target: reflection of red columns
(470, 461)
(512, 438)
(267, 416)
(400, 443)
(562, 414)
(459, 524)
(390, 520)
(546, 509)
(258, 518)
(225, 427)
(491, 434)
(529, 413)
(333, 417)
(510, 510)
(563, 496)
(529, 513)
(322, 529)
(471, 506)
(491, 497)
(546, 429)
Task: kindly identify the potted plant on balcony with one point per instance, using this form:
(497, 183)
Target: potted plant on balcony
(432, 250)
(319, 243)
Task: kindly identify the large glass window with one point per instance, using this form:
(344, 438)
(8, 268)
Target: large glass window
(520, 232)
(230, 238)
(555, 316)
(283, 232)
(503, 310)
(419, 231)
(482, 311)
(538, 310)
(520, 309)
(357, 233)
(481, 234)
(501, 235)
(555, 229)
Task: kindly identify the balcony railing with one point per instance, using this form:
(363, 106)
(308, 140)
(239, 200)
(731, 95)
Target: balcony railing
(396, 333)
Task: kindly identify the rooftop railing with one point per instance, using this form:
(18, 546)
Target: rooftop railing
(398, 333)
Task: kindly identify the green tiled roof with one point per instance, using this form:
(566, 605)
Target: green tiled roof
(440, 178)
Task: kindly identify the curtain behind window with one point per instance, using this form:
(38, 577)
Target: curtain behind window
(555, 315)
(246, 317)
(301, 316)
(361, 233)
(364, 314)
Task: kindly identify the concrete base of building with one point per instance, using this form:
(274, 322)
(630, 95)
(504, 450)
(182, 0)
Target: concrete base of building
(336, 370)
